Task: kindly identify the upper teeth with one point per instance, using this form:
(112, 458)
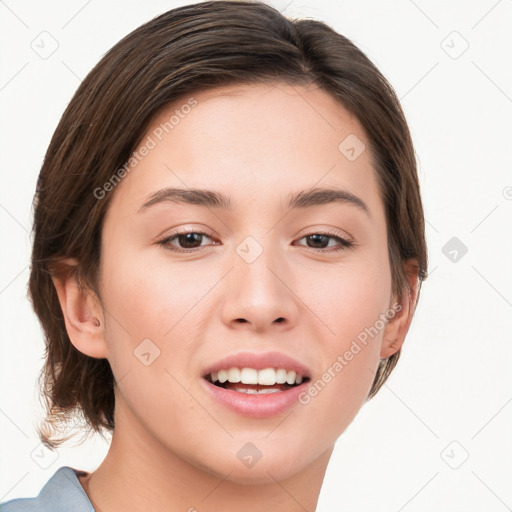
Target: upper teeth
(266, 377)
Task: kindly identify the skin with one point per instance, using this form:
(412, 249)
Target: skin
(174, 448)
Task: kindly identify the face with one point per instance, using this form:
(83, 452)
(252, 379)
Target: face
(187, 281)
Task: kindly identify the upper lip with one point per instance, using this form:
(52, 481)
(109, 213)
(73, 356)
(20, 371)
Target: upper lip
(258, 361)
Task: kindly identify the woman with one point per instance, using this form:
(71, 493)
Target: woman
(228, 251)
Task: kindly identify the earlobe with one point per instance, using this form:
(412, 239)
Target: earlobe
(82, 315)
(398, 326)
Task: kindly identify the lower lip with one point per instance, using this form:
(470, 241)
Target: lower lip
(255, 406)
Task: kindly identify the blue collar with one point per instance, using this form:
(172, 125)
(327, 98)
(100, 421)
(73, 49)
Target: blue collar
(62, 493)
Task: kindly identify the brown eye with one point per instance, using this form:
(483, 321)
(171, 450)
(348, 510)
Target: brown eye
(318, 241)
(321, 241)
(185, 242)
(189, 240)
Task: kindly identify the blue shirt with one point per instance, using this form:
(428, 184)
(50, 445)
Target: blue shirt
(62, 493)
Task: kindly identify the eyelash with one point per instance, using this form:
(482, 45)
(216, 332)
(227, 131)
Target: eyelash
(343, 243)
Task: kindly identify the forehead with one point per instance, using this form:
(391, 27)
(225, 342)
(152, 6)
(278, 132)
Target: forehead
(283, 113)
(249, 141)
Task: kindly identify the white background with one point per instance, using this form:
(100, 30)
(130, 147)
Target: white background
(450, 396)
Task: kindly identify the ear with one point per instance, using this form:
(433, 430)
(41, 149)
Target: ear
(82, 312)
(398, 325)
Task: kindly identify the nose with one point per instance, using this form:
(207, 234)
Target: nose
(259, 294)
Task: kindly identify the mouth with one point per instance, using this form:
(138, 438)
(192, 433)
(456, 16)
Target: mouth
(256, 382)
(273, 374)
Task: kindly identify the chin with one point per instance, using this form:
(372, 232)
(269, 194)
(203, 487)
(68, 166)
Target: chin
(258, 463)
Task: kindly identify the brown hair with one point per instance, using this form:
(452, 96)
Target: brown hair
(187, 49)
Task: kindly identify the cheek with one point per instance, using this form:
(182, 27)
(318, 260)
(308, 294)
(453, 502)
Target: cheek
(151, 297)
(363, 297)
(352, 302)
(151, 307)
(348, 297)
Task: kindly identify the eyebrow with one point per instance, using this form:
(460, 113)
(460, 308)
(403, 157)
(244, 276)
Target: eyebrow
(212, 199)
